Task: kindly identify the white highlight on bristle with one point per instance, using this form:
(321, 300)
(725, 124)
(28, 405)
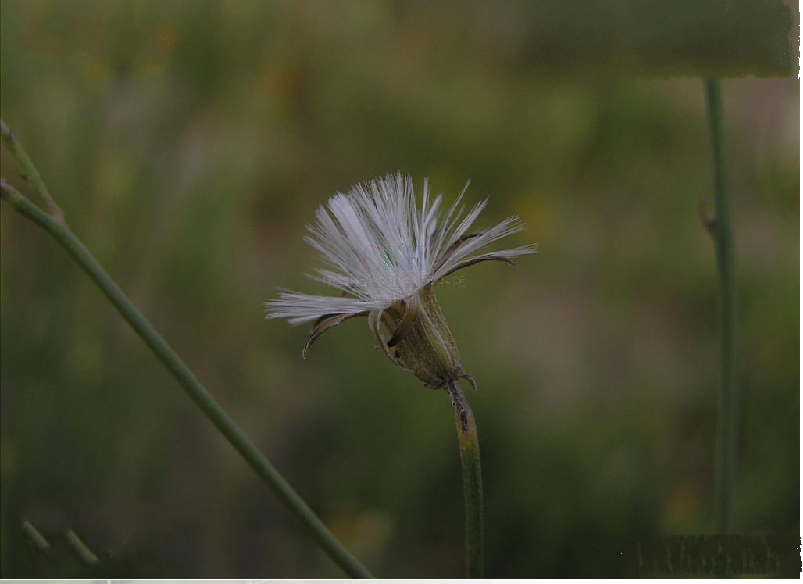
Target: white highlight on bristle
(379, 247)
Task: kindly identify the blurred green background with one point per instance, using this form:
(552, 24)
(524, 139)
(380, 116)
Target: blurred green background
(189, 143)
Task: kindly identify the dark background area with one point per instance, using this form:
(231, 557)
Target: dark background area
(190, 142)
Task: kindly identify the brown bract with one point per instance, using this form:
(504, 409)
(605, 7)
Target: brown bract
(420, 340)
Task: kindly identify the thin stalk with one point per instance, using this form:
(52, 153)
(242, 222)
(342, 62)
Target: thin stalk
(472, 478)
(197, 392)
(722, 230)
(29, 170)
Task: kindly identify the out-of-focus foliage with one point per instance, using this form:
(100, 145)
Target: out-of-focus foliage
(189, 143)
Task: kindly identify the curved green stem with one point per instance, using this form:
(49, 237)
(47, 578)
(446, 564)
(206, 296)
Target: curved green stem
(722, 230)
(472, 478)
(55, 226)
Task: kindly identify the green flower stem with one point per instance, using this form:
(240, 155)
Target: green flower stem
(727, 413)
(197, 392)
(29, 170)
(472, 478)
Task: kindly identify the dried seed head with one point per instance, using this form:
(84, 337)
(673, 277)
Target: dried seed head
(385, 255)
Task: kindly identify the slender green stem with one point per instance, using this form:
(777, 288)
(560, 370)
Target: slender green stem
(727, 413)
(80, 548)
(29, 170)
(472, 478)
(197, 392)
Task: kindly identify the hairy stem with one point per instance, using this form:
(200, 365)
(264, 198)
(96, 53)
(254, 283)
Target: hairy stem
(727, 412)
(472, 478)
(56, 227)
